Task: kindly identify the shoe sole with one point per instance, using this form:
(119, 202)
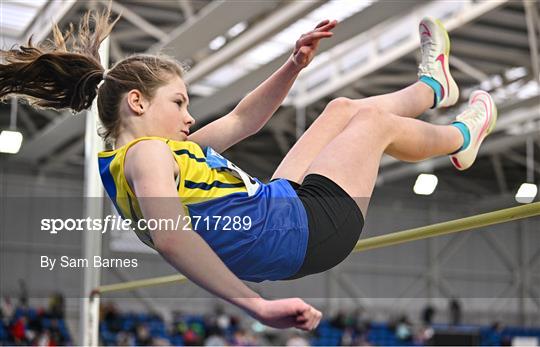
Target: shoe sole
(451, 82)
(481, 138)
(494, 113)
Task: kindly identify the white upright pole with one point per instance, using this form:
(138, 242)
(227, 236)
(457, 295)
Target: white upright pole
(93, 208)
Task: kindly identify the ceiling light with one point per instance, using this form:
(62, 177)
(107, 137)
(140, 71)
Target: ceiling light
(217, 43)
(425, 184)
(526, 193)
(10, 141)
(237, 29)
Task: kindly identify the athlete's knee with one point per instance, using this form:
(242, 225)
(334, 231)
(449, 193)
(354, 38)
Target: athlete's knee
(341, 104)
(356, 111)
(338, 111)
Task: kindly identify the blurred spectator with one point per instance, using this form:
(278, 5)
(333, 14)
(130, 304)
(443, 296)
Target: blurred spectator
(242, 338)
(199, 329)
(7, 309)
(18, 331)
(210, 321)
(215, 340)
(31, 326)
(403, 329)
(495, 337)
(424, 335)
(109, 316)
(55, 333)
(35, 323)
(56, 306)
(44, 339)
(297, 340)
(362, 341)
(427, 315)
(454, 308)
(339, 320)
(125, 338)
(142, 335)
(158, 341)
(191, 338)
(349, 336)
(223, 321)
(23, 294)
(355, 319)
(359, 324)
(179, 324)
(234, 323)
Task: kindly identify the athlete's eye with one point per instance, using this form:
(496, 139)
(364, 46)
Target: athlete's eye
(179, 103)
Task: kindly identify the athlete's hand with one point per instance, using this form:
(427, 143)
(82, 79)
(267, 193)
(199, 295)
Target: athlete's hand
(307, 44)
(288, 313)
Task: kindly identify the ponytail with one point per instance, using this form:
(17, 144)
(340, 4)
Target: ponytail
(65, 73)
(62, 73)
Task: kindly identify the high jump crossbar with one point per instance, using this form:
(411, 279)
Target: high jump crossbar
(449, 227)
(453, 226)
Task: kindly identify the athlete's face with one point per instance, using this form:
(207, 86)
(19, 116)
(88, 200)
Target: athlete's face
(169, 111)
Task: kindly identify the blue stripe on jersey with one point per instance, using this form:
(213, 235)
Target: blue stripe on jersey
(189, 154)
(206, 186)
(104, 165)
(108, 180)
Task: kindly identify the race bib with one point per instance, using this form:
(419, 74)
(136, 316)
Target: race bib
(216, 161)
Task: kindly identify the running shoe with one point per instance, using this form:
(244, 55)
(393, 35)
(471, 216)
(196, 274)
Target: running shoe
(479, 118)
(435, 48)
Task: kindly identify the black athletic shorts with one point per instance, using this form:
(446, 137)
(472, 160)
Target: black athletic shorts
(335, 222)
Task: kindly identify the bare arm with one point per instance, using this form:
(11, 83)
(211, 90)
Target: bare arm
(150, 169)
(256, 108)
(251, 113)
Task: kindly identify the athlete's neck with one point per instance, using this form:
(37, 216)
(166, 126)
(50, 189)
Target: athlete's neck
(126, 136)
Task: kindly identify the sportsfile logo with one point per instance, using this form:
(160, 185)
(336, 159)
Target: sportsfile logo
(112, 222)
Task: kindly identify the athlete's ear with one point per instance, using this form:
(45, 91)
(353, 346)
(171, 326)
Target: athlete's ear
(137, 102)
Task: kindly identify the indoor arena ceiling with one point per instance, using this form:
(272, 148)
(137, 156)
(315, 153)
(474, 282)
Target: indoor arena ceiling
(231, 46)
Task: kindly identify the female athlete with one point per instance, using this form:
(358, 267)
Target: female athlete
(307, 219)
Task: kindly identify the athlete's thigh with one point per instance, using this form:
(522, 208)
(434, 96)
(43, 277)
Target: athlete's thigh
(325, 128)
(352, 159)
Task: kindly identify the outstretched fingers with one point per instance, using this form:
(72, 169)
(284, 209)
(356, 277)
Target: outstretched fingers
(322, 30)
(326, 25)
(308, 43)
(324, 22)
(311, 38)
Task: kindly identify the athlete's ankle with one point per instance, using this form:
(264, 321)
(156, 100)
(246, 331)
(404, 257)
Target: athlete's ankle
(464, 130)
(435, 86)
